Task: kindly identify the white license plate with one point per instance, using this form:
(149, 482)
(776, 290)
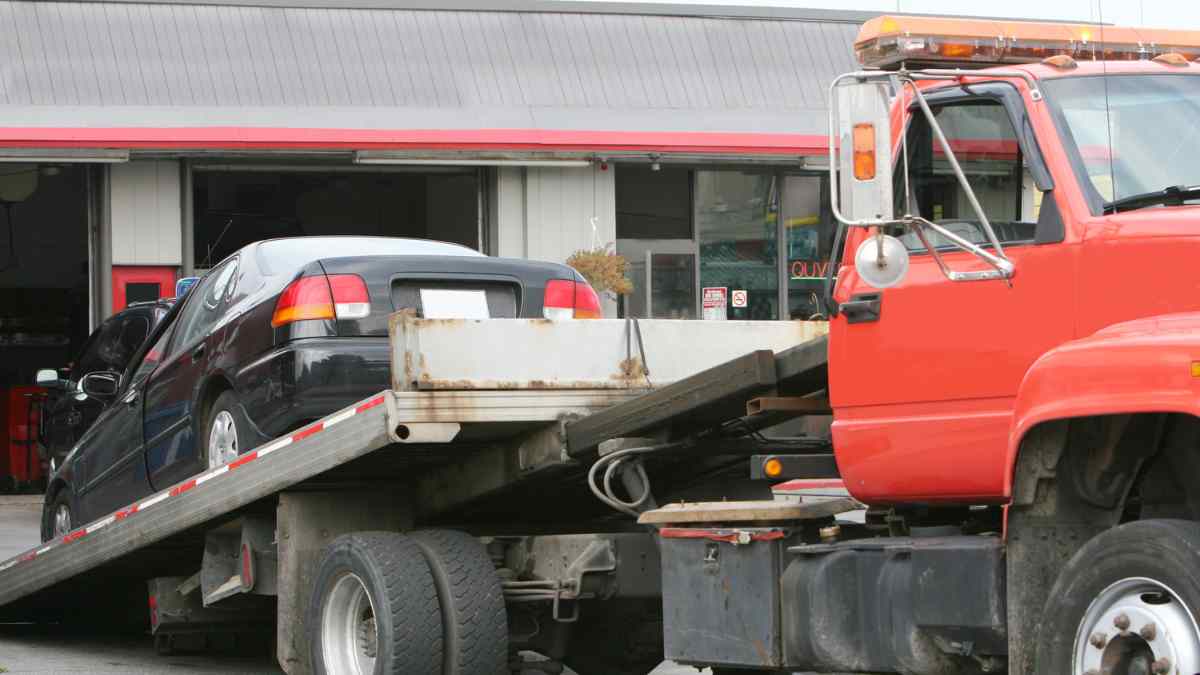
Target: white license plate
(439, 303)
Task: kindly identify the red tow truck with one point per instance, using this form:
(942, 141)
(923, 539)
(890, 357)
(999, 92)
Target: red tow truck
(997, 444)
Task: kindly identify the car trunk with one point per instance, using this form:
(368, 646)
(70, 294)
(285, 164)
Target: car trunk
(445, 287)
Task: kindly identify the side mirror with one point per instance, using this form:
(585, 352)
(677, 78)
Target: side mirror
(48, 378)
(102, 384)
(862, 122)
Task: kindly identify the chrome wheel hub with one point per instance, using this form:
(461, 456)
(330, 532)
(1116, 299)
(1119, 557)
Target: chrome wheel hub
(349, 638)
(1137, 626)
(62, 520)
(222, 440)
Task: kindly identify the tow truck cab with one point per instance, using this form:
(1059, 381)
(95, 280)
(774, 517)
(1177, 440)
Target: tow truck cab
(1014, 357)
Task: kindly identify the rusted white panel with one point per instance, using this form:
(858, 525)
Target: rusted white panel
(458, 354)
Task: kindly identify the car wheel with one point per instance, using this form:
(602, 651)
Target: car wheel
(1126, 603)
(225, 431)
(58, 519)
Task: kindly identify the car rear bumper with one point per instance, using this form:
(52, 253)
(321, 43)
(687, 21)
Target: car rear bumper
(310, 378)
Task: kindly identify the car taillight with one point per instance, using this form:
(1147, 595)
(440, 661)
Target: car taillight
(304, 299)
(350, 298)
(570, 300)
(337, 296)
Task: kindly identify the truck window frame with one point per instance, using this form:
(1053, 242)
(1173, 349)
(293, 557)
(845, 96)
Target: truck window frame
(1049, 228)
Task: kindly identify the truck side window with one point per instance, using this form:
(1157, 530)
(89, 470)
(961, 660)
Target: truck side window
(982, 138)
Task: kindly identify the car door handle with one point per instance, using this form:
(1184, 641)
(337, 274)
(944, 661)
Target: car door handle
(198, 351)
(862, 308)
(130, 397)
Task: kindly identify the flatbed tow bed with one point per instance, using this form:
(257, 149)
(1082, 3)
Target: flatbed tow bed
(426, 454)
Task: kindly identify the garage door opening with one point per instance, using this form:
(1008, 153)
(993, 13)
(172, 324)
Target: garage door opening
(233, 208)
(44, 296)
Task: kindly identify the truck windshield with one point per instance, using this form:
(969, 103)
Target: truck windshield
(1151, 140)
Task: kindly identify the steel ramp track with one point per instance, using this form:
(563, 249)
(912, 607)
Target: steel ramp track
(273, 466)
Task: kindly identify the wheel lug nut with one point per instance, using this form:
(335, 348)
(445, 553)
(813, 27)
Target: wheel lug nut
(1161, 666)
(1121, 621)
(1098, 640)
(1149, 632)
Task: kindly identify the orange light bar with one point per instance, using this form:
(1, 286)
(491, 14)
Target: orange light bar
(887, 41)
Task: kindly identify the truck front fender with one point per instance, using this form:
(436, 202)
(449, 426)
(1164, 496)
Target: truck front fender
(1147, 365)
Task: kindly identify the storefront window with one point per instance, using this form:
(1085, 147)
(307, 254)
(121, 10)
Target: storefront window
(809, 233)
(737, 224)
(766, 233)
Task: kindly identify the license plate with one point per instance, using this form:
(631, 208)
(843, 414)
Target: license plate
(440, 303)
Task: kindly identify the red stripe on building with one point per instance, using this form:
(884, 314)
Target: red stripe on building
(305, 433)
(274, 138)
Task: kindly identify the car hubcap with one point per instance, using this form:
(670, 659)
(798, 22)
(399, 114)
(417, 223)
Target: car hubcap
(222, 440)
(349, 638)
(62, 520)
(1137, 626)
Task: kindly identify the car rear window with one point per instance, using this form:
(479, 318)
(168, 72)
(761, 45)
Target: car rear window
(285, 254)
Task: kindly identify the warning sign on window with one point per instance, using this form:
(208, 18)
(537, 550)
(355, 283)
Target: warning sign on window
(715, 301)
(739, 298)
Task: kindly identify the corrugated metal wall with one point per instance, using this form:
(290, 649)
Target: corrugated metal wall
(361, 68)
(146, 213)
(548, 213)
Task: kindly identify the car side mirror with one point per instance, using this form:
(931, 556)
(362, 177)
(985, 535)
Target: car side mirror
(48, 378)
(101, 384)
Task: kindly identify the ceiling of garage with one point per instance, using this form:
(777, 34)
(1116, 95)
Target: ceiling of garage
(172, 65)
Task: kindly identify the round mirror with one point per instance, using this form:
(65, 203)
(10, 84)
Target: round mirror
(881, 261)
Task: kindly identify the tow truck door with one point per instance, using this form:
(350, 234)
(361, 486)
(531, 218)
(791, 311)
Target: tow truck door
(923, 387)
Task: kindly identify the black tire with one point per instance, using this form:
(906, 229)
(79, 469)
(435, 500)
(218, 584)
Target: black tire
(1164, 551)
(227, 402)
(397, 580)
(474, 620)
(61, 499)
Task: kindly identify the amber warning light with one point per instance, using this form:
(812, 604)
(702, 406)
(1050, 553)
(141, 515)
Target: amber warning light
(889, 41)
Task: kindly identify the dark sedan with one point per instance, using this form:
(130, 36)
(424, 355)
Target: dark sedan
(68, 411)
(279, 334)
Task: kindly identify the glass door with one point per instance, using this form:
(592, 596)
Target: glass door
(737, 223)
(665, 283)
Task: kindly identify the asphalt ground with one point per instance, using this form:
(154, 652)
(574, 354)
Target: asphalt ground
(28, 648)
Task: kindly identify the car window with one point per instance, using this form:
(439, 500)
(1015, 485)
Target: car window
(116, 341)
(985, 144)
(153, 357)
(205, 305)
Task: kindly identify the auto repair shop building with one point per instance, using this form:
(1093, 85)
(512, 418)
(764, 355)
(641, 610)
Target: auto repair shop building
(144, 141)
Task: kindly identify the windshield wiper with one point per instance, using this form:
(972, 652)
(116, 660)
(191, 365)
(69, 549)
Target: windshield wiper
(1174, 195)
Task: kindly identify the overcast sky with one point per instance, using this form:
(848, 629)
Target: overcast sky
(1148, 13)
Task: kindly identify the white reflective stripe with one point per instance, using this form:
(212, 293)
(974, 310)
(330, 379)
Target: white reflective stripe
(340, 417)
(44, 549)
(99, 524)
(212, 474)
(7, 565)
(153, 500)
(273, 446)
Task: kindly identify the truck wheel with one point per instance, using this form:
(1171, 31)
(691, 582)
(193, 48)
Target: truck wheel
(374, 608)
(1126, 603)
(474, 620)
(225, 430)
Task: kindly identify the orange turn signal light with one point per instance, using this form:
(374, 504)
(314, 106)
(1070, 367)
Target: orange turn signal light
(773, 468)
(864, 151)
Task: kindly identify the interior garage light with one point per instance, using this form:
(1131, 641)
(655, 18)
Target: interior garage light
(63, 155)
(380, 157)
(888, 41)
